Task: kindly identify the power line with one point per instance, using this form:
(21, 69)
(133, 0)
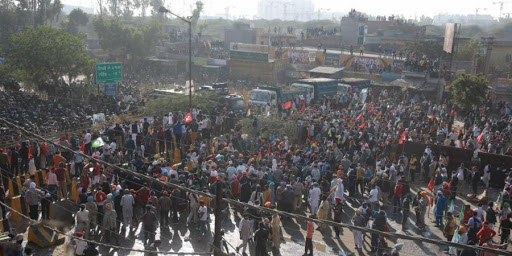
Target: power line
(33, 222)
(282, 213)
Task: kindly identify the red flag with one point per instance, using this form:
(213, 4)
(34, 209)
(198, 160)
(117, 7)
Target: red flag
(480, 137)
(303, 106)
(431, 118)
(362, 126)
(287, 105)
(359, 117)
(402, 138)
(188, 118)
(431, 184)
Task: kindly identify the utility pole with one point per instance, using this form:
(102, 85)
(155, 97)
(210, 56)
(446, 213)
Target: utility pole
(488, 43)
(217, 237)
(187, 20)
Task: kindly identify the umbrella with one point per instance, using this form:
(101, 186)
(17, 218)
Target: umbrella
(98, 143)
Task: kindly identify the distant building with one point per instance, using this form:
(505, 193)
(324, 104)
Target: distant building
(353, 28)
(472, 19)
(241, 33)
(300, 10)
(389, 32)
(501, 56)
(276, 39)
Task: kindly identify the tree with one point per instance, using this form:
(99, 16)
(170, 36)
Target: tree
(138, 41)
(196, 13)
(45, 53)
(101, 6)
(7, 79)
(76, 18)
(46, 10)
(425, 20)
(468, 50)
(114, 7)
(155, 5)
(202, 26)
(142, 5)
(468, 90)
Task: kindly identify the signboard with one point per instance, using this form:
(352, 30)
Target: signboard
(110, 89)
(248, 47)
(298, 57)
(364, 63)
(312, 57)
(449, 35)
(217, 62)
(109, 72)
(250, 56)
(199, 61)
(332, 59)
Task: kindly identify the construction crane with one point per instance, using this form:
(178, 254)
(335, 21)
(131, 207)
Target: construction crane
(501, 3)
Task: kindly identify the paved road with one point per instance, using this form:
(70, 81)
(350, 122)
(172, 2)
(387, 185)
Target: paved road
(178, 238)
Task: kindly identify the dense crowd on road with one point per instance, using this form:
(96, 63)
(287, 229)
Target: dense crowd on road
(347, 148)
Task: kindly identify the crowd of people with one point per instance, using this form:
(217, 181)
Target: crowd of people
(347, 148)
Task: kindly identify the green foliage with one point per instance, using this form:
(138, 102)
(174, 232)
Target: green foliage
(45, 53)
(7, 79)
(435, 30)
(432, 49)
(115, 7)
(280, 128)
(471, 31)
(161, 106)
(504, 30)
(155, 5)
(138, 41)
(468, 90)
(467, 51)
(76, 18)
(196, 13)
(142, 5)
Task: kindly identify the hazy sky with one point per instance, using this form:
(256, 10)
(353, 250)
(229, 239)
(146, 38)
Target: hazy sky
(409, 8)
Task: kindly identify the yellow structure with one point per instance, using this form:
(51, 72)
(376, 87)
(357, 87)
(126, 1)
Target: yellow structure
(16, 206)
(42, 236)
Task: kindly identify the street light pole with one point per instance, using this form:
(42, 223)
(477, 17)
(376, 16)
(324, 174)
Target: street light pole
(190, 65)
(187, 20)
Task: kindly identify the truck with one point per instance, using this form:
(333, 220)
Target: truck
(234, 102)
(348, 85)
(317, 88)
(360, 83)
(263, 96)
